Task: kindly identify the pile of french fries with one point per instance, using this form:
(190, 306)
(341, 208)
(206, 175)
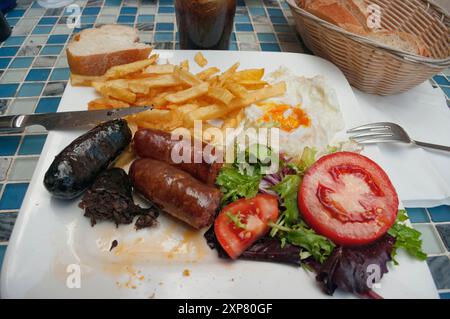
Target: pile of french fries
(179, 97)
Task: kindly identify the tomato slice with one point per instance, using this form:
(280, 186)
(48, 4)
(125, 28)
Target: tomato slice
(348, 198)
(241, 223)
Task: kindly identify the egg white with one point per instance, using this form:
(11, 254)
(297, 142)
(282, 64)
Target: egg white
(320, 103)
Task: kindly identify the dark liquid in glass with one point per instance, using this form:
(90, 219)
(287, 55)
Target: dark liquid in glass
(205, 24)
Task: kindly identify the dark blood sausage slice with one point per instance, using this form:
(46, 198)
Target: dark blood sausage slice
(75, 168)
(110, 198)
(155, 144)
(177, 192)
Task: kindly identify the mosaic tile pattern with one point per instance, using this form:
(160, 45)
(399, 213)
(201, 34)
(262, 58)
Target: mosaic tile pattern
(34, 73)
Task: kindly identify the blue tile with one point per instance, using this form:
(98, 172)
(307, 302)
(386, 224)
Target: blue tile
(8, 90)
(42, 29)
(32, 144)
(129, 10)
(275, 12)
(440, 268)
(113, 3)
(243, 27)
(270, 47)
(126, 19)
(8, 51)
(256, 11)
(165, 27)
(446, 90)
(4, 62)
(441, 80)
(12, 21)
(21, 63)
(51, 50)
(91, 11)
(278, 20)
(233, 46)
(60, 74)
(9, 144)
(57, 39)
(145, 18)
(440, 213)
(7, 221)
(2, 254)
(242, 19)
(47, 21)
(88, 19)
(445, 295)
(166, 10)
(165, 2)
(282, 28)
(240, 3)
(30, 89)
(267, 37)
(48, 105)
(38, 75)
(18, 40)
(163, 36)
(15, 13)
(13, 196)
(418, 215)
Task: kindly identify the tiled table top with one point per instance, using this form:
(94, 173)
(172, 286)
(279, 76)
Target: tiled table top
(34, 73)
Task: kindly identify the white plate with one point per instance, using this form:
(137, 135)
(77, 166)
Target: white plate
(52, 240)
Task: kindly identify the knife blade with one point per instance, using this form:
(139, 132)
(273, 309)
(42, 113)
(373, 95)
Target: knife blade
(65, 120)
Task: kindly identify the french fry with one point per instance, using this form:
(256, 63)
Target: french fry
(144, 85)
(119, 94)
(209, 112)
(253, 84)
(84, 80)
(125, 158)
(207, 73)
(160, 69)
(217, 111)
(119, 71)
(237, 90)
(200, 59)
(248, 75)
(228, 74)
(106, 103)
(220, 94)
(184, 65)
(191, 93)
(187, 77)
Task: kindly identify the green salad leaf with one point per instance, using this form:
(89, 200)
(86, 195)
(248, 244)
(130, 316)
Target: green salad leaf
(301, 235)
(235, 184)
(287, 189)
(406, 238)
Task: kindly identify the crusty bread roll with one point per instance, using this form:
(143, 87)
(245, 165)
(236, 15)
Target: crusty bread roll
(352, 15)
(93, 51)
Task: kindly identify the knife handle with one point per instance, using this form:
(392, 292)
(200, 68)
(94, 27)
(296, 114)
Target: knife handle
(11, 124)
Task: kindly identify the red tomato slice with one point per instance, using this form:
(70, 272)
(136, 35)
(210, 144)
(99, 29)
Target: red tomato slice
(348, 198)
(241, 223)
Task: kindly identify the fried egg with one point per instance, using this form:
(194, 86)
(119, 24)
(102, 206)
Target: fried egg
(308, 114)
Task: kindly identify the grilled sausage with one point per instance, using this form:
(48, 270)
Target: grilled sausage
(177, 192)
(76, 167)
(155, 144)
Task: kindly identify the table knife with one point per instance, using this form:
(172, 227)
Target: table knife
(64, 120)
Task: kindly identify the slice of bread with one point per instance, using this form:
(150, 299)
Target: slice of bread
(93, 51)
(402, 41)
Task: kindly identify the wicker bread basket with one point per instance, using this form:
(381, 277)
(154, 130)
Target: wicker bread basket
(373, 67)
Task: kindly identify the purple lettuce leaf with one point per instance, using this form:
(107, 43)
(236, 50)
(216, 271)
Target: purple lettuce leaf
(348, 267)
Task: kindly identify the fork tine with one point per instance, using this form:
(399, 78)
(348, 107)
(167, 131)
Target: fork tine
(371, 134)
(369, 127)
(379, 139)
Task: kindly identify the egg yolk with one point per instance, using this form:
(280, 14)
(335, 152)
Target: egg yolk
(286, 117)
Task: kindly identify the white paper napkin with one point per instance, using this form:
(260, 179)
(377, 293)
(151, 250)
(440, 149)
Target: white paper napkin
(421, 176)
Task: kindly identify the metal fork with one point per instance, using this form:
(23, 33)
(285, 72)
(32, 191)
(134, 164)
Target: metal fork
(385, 132)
